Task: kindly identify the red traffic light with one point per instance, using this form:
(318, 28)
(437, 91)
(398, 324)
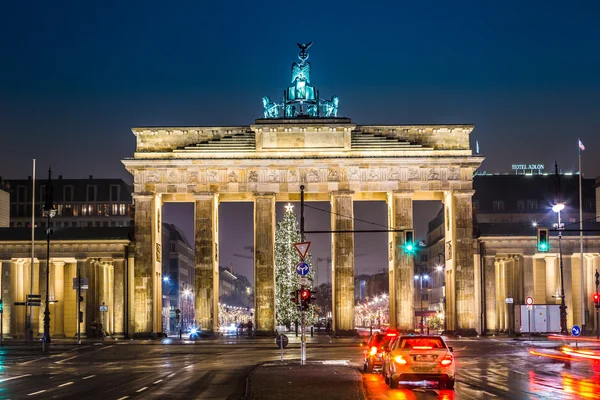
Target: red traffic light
(304, 294)
(596, 298)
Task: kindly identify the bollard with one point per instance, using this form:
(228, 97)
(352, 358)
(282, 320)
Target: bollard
(311, 331)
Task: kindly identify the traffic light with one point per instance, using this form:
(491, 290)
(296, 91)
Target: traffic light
(409, 241)
(1, 307)
(305, 299)
(80, 317)
(596, 298)
(543, 242)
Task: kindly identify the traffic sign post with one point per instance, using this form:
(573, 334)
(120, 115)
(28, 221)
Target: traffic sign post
(576, 330)
(302, 268)
(529, 302)
(302, 249)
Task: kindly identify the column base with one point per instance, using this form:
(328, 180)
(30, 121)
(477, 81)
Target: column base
(261, 334)
(345, 333)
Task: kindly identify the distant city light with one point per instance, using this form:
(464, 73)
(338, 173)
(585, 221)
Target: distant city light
(165, 278)
(558, 207)
(534, 224)
(439, 268)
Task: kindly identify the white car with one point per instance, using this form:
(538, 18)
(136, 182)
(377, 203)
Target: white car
(419, 358)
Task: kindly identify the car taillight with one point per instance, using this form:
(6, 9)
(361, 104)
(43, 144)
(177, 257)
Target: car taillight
(400, 360)
(373, 350)
(422, 347)
(447, 360)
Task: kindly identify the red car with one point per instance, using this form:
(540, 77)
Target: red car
(375, 349)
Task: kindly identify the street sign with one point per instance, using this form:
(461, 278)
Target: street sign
(302, 248)
(303, 281)
(509, 300)
(302, 268)
(529, 300)
(575, 331)
(84, 283)
(281, 341)
(103, 308)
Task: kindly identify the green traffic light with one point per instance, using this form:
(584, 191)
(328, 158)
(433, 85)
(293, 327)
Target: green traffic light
(409, 247)
(543, 246)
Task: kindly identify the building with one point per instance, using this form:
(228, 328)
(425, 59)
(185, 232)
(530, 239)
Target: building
(4, 206)
(508, 210)
(178, 278)
(79, 203)
(377, 285)
(234, 289)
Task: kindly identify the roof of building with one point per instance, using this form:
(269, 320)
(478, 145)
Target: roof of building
(79, 188)
(526, 229)
(513, 188)
(175, 233)
(96, 233)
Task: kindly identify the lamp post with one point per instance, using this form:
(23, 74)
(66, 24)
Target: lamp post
(421, 278)
(49, 212)
(442, 268)
(557, 208)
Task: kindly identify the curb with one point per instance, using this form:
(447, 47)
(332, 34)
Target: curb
(248, 379)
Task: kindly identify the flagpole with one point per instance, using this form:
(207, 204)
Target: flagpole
(31, 269)
(583, 277)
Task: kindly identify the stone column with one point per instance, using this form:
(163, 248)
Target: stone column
(342, 262)
(91, 296)
(552, 279)
(568, 277)
(264, 263)
(401, 265)
(59, 295)
(70, 300)
(130, 291)
(82, 267)
(7, 297)
(119, 297)
(539, 278)
(465, 295)
(206, 284)
(499, 298)
(490, 294)
(148, 227)
(528, 277)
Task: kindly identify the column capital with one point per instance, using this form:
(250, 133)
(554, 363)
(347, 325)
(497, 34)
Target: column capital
(342, 193)
(463, 193)
(263, 194)
(142, 196)
(205, 195)
(402, 193)
(58, 263)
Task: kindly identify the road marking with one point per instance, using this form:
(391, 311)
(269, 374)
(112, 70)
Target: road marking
(37, 359)
(66, 384)
(104, 348)
(66, 359)
(123, 398)
(142, 389)
(158, 381)
(172, 375)
(88, 377)
(34, 393)
(14, 377)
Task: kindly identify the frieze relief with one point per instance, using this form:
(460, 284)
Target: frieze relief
(152, 177)
(253, 176)
(373, 175)
(173, 177)
(393, 174)
(192, 177)
(333, 175)
(413, 174)
(212, 176)
(293, 176)
(312, 176)
(354, 174)
(273, 177)
(433, 175)
(454, 174)
(232, 177)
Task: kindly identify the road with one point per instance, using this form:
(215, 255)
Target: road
(487, 368)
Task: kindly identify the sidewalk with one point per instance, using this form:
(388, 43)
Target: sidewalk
(323, 380)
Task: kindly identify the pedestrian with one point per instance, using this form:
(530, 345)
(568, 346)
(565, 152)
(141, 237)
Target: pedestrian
(249, 328)
(328, 326)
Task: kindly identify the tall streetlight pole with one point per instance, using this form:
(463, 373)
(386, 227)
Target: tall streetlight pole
(442, 268)
(557, 208)
(49, 213)
(421, 278)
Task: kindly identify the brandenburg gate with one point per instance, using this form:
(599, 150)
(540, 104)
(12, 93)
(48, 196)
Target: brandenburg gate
(302, 142)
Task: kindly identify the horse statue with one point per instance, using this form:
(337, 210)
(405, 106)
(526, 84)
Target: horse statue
(312, 110)
(270, 107)
(330, 107)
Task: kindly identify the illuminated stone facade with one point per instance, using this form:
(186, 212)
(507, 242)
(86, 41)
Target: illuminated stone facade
(337, 161)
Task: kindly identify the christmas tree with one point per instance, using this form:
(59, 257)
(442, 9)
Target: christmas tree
(286, 277)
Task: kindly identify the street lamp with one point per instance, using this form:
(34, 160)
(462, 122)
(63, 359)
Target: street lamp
(49, 212)
(421, 278)
(557, 208)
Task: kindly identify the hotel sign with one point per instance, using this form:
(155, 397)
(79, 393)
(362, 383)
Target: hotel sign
(527, 166)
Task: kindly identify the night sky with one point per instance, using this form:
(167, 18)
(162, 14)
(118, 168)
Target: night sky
(75, 77)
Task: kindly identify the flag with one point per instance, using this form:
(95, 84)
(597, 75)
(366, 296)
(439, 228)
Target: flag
(581, 146)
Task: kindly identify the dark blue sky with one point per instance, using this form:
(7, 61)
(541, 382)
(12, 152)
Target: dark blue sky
(76, 76)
